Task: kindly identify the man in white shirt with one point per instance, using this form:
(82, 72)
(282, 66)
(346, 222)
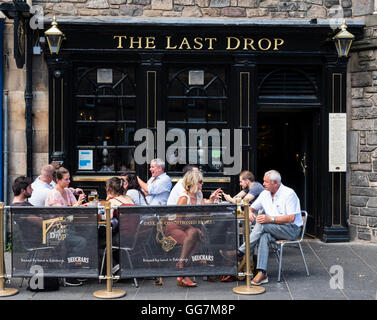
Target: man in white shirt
(158, 187)
(42, 185)
(281, 220)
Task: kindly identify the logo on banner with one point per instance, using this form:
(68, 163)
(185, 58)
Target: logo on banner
(167, 243)
(202, 257)
(54, 230)
(78, 260)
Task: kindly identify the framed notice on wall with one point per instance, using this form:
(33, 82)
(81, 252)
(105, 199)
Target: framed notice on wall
(85, 160)
(337, 142)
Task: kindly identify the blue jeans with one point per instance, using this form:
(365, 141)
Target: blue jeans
(263, 234)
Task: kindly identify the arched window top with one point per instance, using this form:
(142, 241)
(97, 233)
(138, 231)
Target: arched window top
(288, 84)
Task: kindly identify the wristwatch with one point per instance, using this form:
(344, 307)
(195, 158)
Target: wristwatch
(273, 219)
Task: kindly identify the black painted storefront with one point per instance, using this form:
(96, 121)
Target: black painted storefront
(277, 82)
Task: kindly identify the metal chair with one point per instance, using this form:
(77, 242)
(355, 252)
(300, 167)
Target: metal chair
(32, 251)
(139, 244)
(278, 245)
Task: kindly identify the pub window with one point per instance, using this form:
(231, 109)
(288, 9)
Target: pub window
(197, 99)
(105, 119)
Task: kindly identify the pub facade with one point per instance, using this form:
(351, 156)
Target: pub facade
(264, 69)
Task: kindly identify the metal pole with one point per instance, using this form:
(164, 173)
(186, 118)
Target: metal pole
(4, 292)
(109, 250)
(109, 293)
(248, 289)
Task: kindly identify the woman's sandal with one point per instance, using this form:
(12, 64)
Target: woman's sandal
(228, 278)
(184, 283)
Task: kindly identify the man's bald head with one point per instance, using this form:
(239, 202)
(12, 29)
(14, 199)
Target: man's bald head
(47, 173)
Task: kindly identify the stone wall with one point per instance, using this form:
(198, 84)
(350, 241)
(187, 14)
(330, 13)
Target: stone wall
(14, 83)
(266, 9)
(363, 136)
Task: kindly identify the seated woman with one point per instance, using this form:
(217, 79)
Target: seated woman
(188, 236)
(133, 189)
(115, 195)
(61, 195)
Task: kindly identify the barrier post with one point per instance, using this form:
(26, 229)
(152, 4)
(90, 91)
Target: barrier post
(4, 292)
(109, 293)
(248, 288)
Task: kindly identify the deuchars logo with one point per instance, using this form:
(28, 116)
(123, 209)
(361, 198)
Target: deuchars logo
(218, 153)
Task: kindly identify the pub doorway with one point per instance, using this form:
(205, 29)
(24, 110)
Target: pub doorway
(287, 142)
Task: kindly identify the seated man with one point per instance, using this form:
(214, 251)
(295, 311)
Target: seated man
(43, 184)
(250, 188)
(282, 220)
(158, 187)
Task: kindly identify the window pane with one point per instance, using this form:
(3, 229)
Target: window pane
(106, 117)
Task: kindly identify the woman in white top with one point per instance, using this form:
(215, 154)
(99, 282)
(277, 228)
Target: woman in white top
(133, 189)
(187, 235)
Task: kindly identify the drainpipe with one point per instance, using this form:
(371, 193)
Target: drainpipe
(2, 131)
(29, 104)
(5, 146)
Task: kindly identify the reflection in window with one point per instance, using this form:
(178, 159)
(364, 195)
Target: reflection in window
(106, 118)
(197, 103)
(197, 99)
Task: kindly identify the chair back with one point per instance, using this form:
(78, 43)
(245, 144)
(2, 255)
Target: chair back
(304, 215)
(143, 232)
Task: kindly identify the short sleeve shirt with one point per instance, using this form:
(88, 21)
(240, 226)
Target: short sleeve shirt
(285, 202)
(255, 190)
(40, 191)
(54, 198)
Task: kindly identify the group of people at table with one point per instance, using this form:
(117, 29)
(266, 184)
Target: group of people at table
(279, 205)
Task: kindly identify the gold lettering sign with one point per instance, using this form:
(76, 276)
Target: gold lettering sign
(229, 43)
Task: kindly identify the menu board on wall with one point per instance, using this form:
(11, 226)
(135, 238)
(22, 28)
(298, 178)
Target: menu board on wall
(337, 142)
(85, 160)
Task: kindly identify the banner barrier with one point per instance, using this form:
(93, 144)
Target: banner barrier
(177, 240)
(152, 241)
(4, 292)
(58, 241)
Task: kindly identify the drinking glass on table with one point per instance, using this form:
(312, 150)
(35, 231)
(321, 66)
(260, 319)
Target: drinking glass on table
(93, 198)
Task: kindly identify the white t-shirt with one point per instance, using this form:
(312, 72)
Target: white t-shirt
(285, 202)
(175, 193)
(40, 191)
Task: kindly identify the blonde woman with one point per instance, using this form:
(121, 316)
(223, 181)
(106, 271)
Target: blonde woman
(186, 235)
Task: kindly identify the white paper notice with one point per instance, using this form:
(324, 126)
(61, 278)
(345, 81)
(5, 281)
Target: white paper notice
(337, 142)
(85, 159)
